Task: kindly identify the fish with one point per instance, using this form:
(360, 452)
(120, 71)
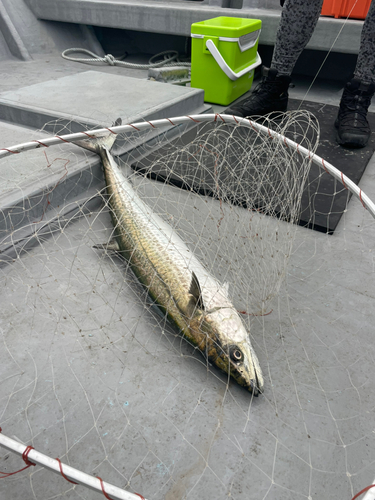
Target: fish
(194, 301)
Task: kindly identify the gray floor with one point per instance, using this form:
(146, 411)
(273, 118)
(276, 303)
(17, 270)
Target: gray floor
(90, 374)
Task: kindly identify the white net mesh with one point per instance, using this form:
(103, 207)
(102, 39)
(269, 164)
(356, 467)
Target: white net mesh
(91, 373)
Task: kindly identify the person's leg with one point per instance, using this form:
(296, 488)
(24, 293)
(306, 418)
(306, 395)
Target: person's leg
(297, 24)
(365, 68)
(353, 129)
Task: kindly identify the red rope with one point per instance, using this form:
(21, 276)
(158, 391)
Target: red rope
(342, 180)
(3, 475)
(325, 168)
(61, 139)
(25, 459)
(363, 491)
(194, 120)
(88, 135)
(360, 197)
(253, 314)
(9, 151)
(41, 143)
(25, 456)
(106, 494)
(103, 490)
(252, 126)
(63, 475)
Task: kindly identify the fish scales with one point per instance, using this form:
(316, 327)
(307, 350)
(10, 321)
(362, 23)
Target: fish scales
(176, 280)
(153, 256)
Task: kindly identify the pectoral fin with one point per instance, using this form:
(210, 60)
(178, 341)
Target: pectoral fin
(111, 246)
(196, 292)
(194, 299)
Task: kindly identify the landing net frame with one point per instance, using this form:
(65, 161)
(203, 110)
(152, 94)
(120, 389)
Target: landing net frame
(198, 119)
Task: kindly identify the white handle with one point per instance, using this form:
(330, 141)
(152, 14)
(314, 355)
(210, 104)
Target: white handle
(224, 66)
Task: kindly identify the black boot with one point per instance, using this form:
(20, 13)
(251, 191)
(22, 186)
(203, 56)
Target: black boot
(353, 129)
(271, 94)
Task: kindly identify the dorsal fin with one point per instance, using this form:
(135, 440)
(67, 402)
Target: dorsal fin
(196, 292)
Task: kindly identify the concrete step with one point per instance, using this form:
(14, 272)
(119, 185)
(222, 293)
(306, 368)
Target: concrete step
(37, 185)
(59, 176)
(176, 16)
(94, 99)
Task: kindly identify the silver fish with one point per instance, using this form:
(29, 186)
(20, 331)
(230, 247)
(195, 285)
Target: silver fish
(194, 301)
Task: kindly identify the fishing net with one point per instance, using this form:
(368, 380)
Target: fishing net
(91, 372)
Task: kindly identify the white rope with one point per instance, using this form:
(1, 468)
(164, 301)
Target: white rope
(72, 474)
(170, 58)
(182, 120)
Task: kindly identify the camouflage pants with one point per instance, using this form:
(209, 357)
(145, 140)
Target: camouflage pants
(298, 21)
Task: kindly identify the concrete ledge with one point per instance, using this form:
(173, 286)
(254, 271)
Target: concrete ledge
(32, 197)
(176, 18)
(93, 99)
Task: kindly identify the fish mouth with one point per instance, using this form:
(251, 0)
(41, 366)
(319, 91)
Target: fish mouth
(254, 387)
(251, 383)
(251, 372)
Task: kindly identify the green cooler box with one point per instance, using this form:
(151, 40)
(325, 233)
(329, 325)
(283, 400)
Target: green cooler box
(224, 56)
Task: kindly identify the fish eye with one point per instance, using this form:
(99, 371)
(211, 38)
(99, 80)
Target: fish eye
(236, 354)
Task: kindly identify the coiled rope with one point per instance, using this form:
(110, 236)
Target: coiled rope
(170, 58)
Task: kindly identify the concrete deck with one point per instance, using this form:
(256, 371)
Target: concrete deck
(176, 17)
(68, 99)
(91, 375)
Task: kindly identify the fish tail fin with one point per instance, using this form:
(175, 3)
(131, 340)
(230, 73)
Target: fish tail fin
(95, 145)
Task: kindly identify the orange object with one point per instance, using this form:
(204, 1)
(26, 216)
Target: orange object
(356, 9)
